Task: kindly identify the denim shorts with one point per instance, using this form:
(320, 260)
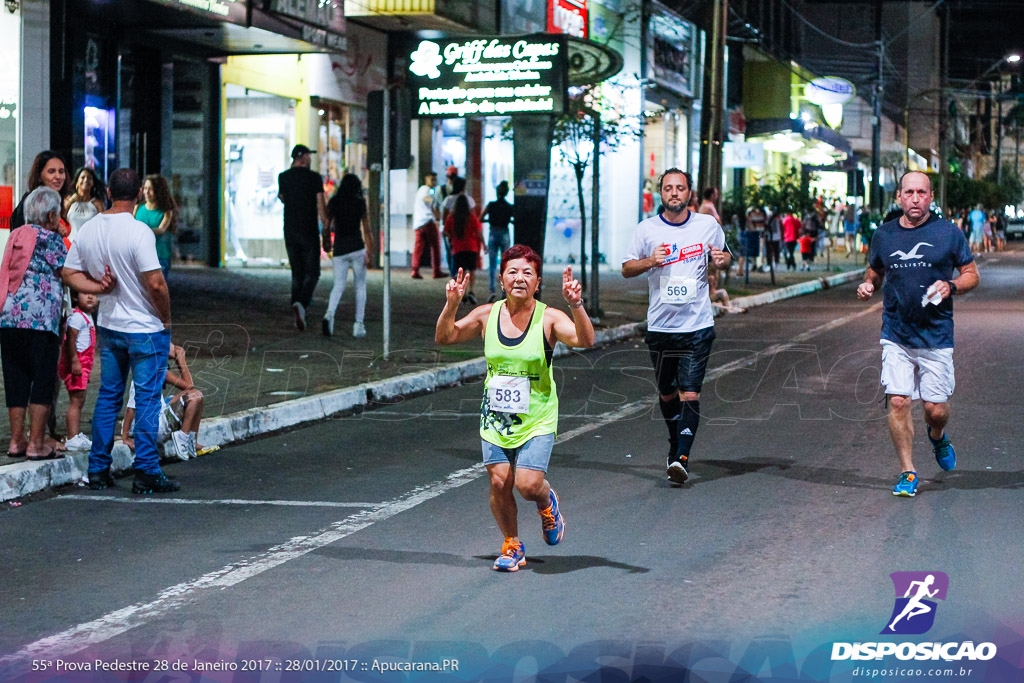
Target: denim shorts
(532, 455)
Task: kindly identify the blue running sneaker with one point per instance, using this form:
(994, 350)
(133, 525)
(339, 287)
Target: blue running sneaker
(513, 556)
(906, 486)
(551, 521)
(944, 453)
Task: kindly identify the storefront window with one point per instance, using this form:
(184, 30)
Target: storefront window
(10, 71)
(333, 128)
(259, 130)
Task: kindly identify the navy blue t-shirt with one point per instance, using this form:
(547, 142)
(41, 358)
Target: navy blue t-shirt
(911, 259)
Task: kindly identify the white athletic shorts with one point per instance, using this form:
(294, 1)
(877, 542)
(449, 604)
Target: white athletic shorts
(918, 373)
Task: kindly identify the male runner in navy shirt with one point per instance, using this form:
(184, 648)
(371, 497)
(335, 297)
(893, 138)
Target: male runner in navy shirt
(915, 255)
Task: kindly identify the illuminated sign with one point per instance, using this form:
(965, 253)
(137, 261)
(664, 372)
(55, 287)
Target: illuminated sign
(832, 90)
(494, 76)
(568, 17)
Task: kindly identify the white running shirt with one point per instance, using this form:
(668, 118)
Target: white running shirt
(678, 291)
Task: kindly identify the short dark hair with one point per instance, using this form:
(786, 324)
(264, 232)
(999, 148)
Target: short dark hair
(124, 185)
(502, 188)
(900, 186)
(708, 193)
(520, 251)
(689, 179)
(428, 174)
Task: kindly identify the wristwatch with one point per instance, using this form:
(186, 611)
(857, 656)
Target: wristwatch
(952, 288)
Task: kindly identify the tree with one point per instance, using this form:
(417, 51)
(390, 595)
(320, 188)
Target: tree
(590, 128)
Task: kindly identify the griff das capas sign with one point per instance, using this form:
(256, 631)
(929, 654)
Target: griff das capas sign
(491, 76)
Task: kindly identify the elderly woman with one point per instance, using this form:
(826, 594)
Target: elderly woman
(30, 302)
(519, 413)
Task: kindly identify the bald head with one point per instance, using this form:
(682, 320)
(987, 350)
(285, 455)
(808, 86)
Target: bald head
(917, 175)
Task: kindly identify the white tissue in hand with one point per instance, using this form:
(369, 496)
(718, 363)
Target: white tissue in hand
(931, 296)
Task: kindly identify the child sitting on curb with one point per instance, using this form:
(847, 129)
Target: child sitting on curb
(180, 414)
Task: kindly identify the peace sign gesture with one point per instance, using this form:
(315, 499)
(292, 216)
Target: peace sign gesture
(572, 291)
(456, 288)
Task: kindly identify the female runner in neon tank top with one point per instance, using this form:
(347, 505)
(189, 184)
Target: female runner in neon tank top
(519, 413)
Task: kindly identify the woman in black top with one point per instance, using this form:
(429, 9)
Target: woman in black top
(347, 218)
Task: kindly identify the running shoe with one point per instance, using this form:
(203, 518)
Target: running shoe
(358, 330)
(944, 453)
(513, 556)
(300, 316)
(551, 521)
(906, 486)
(676, 469)
(181, 443)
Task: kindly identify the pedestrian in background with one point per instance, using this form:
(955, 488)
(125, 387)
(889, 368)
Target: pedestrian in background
(85, 201)
(977, 219)
(710, 196)
(674, 249)
(348, 219)
(132, 331)
(790, 234)
(519, 413)
(466, 236)
(159, 212)
(850, 227)
(30, 317)
(499, 214)
(76, 362)
(301, 189)
(428, 236)
(917, 332)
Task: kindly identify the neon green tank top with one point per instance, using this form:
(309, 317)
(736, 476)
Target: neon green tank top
(509, 370)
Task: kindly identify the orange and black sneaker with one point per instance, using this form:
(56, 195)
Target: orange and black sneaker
(551, 521)
(513, 556)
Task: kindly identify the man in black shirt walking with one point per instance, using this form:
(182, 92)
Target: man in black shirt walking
(302, 192)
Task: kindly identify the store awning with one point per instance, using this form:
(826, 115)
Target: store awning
(810, 131)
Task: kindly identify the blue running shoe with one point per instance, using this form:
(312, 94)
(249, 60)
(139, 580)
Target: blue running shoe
(944, 453)
(513, 556)
(906, 486)
(551, 521)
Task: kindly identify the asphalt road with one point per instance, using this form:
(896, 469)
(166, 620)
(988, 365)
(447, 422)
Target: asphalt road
(331, 552)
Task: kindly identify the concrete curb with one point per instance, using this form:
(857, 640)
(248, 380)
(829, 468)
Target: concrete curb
(25, 478)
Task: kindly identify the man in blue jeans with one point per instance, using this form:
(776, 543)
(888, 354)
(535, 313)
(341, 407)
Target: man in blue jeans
(133, 331)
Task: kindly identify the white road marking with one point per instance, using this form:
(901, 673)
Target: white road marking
(224, 501)
(85, 635)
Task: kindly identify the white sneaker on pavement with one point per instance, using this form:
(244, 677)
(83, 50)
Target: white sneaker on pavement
(79, 442)
(358, 330)
(300, 316)
(181, 442)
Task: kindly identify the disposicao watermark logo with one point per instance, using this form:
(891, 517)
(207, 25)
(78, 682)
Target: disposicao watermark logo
(914, 613)
(916, 592)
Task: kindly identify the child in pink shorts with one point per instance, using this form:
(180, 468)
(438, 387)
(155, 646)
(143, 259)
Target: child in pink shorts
(76, 360)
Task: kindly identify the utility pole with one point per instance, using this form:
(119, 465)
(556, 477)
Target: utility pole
(999, 135)
(712, 120)
(876, 119)
(386, 220)
(595, 216)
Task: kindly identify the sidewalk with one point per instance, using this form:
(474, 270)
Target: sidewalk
(259, 374)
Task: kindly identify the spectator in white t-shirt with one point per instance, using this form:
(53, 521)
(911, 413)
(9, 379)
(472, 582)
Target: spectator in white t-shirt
(428, 236)
(133, 329)
(674, 249)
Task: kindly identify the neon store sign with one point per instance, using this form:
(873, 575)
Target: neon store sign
(494, 76)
